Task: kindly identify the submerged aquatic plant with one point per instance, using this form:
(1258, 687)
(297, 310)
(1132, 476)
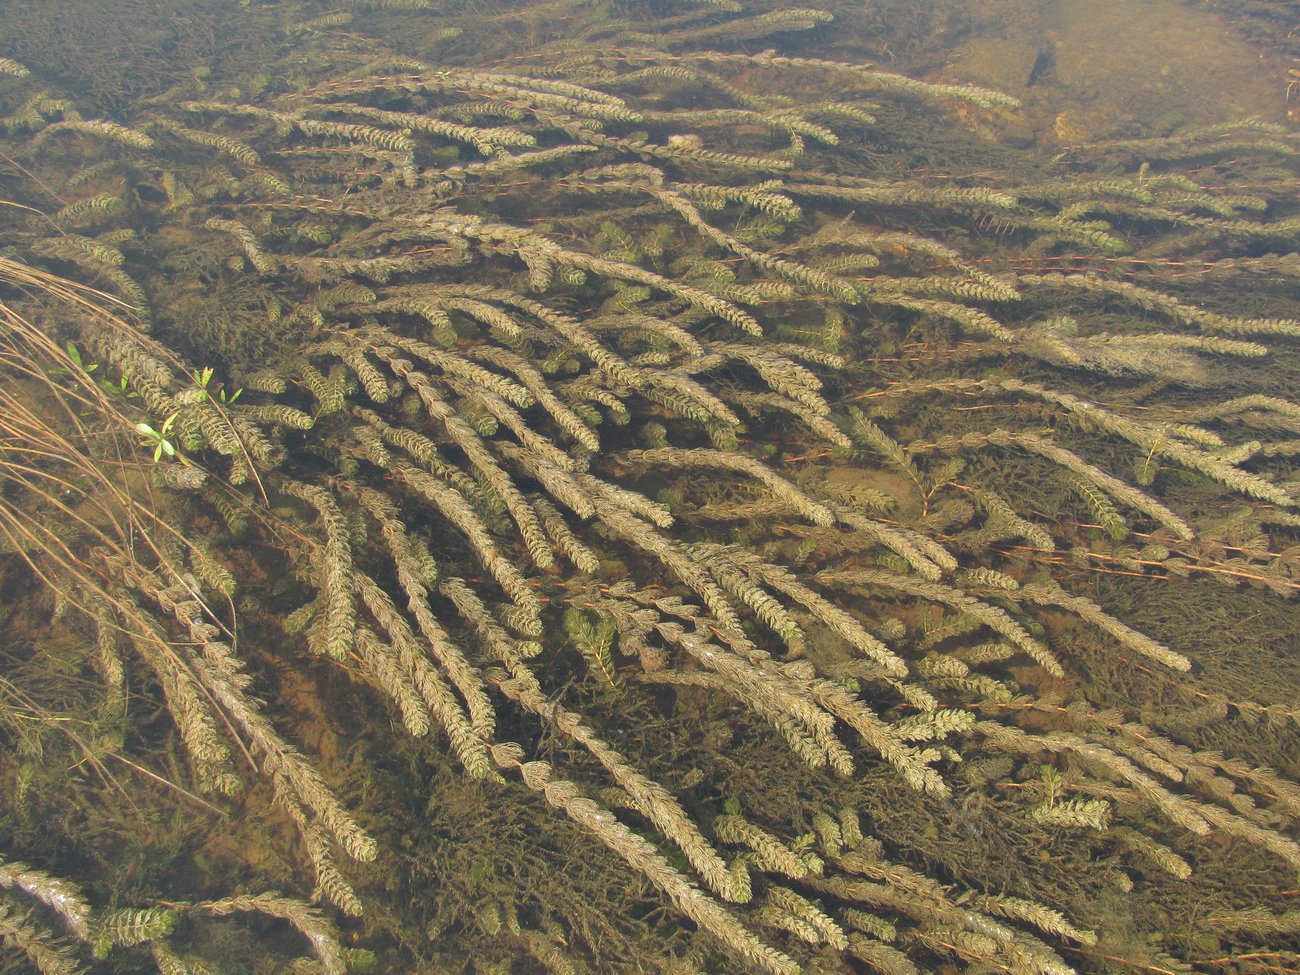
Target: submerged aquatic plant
(597, 415)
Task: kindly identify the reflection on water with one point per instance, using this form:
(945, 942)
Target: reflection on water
(1112, 68)
(1121, 68)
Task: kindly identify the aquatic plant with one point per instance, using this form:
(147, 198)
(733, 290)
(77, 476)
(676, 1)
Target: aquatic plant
(596, 421)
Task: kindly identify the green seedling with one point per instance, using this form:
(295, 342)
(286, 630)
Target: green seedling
(75, 355)
(121, 386)
(159, 439)
(202, 377)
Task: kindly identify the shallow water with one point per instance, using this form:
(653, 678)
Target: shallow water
(850, 485)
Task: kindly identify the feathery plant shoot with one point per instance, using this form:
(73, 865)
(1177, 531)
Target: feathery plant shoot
(646, 500)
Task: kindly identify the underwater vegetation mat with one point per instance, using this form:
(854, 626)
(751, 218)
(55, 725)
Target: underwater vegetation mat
(634, 504)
